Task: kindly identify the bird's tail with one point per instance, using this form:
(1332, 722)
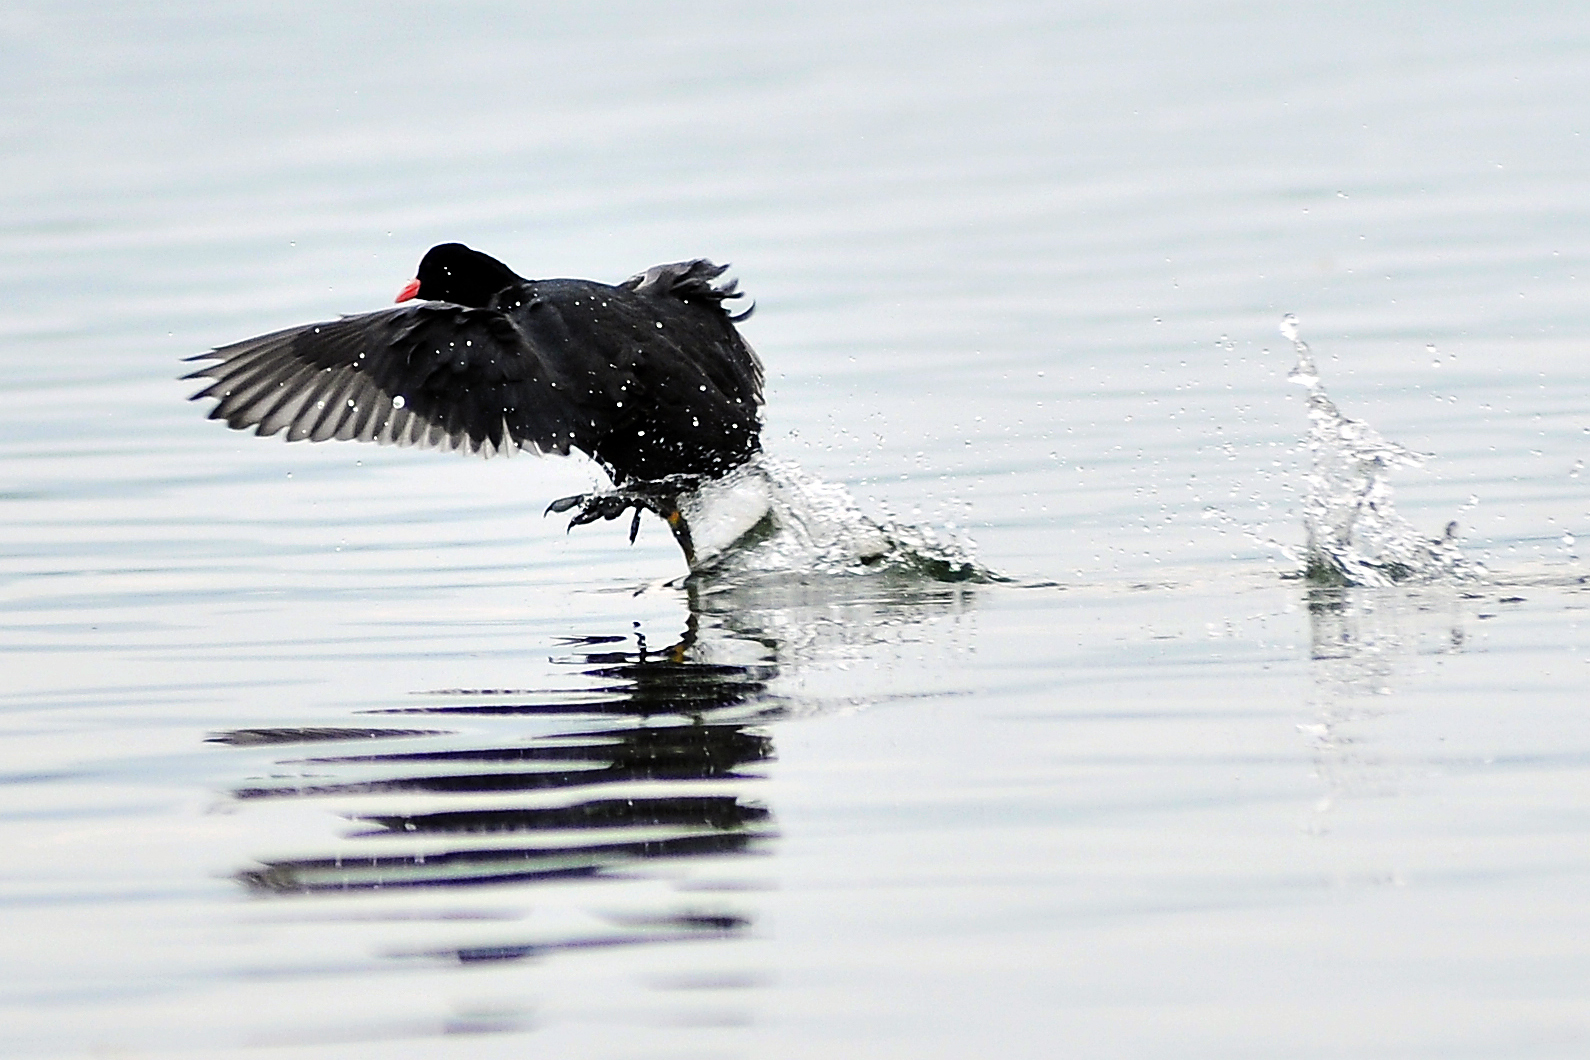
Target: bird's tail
(689, 281)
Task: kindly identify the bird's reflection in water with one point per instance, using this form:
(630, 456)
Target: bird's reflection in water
(643, 761)
(646, 760)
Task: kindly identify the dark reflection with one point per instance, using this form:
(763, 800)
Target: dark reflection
(250, 737)
(612, 756)
(644, 719)
(640, 761)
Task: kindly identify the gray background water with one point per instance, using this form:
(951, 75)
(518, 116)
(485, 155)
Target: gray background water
(1018, 270)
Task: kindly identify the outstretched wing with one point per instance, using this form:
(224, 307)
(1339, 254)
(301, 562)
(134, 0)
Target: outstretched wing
(429, 375)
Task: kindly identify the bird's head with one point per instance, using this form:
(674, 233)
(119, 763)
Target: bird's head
(451, 272)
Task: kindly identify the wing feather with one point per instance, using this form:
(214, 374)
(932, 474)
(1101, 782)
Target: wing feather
(305, 423)
(433, 375)
(367, 405)
(277, 407)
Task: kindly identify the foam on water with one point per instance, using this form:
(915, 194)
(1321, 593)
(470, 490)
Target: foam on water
(1355, 536)
(770, 517)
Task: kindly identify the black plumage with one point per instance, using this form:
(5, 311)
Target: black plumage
(649, 377)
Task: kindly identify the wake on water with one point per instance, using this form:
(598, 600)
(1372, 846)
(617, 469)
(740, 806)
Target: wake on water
(770, 518)
(1354, 535)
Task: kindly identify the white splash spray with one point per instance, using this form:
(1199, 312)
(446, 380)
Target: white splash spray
(770, 517)
(1355, 536)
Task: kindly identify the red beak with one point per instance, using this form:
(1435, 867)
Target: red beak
(410, 289)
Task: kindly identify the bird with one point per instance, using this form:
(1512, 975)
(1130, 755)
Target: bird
(650, 377)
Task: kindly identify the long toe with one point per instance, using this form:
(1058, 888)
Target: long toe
(563, 504)
(601, 506)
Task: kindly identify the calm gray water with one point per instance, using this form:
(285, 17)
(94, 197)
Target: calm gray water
(341, 751)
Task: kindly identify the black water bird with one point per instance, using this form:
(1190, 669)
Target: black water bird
(648, 377)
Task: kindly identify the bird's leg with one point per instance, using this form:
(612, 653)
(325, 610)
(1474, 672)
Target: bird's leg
(653, 495)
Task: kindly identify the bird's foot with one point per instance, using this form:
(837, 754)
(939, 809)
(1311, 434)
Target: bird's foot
(649, 495)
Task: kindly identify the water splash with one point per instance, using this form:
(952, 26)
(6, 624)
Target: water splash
(769, 517)
(1355, 536)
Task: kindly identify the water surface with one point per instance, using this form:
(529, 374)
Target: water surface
(344, 751)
